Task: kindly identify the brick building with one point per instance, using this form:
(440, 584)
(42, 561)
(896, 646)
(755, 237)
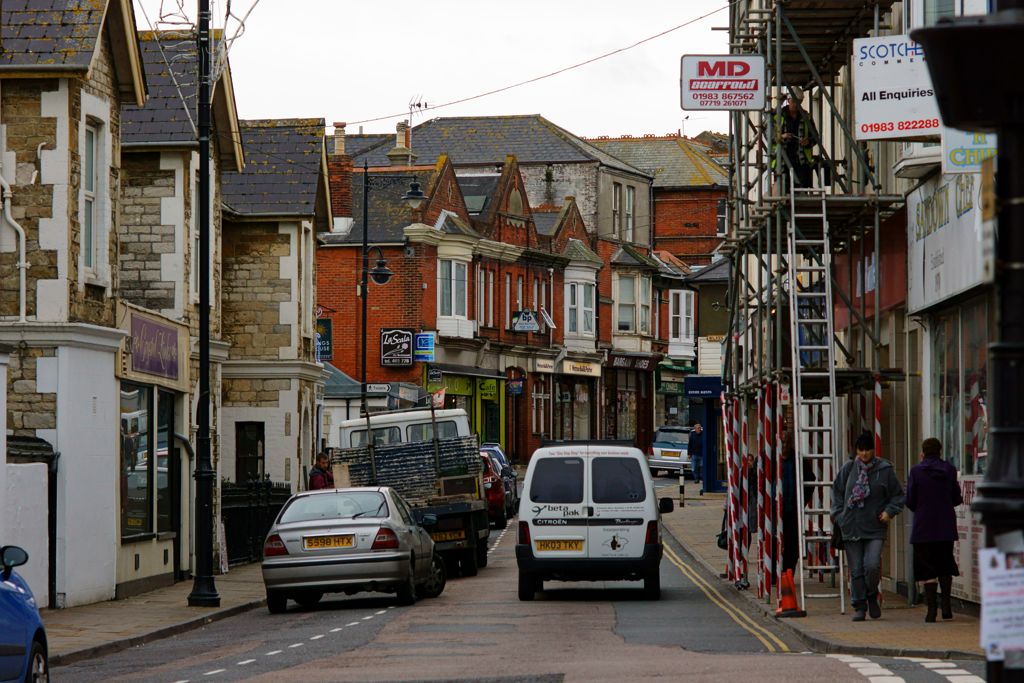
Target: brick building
(271, 382)
(61, 169)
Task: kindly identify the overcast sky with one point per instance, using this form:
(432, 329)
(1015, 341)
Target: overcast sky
(368, 59)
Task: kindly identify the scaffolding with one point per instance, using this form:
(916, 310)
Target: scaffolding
(785, 364)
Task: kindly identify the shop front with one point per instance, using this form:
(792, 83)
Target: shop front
(575, 401)
(629, 397)
(153, 475)
(703, 394)
(670, 404)
(479, 391)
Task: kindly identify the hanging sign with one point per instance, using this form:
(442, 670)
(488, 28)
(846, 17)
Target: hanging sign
(437, 398)
(525, 321)
(515, 387)
(324, 349)
(395, 348)
(964, 152)
(893, 94)
(423, 347)
(722, 82)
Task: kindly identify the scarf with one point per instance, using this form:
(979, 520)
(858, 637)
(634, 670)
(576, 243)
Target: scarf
(861, 487)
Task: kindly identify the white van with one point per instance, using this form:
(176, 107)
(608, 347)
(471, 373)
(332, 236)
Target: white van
(404, 426)
(589, 513)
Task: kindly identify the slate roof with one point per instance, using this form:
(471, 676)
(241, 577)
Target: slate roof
(359, 143)
(477, 190)
(164, 117)
(49, 33)
(575, 250)
(389, 215)
(546, 222)
(631, 257)
(483, 140)
(717, 272)
(673, 161)
(282, 171)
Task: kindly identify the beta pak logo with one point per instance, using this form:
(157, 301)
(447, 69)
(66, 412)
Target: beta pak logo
(722, 82)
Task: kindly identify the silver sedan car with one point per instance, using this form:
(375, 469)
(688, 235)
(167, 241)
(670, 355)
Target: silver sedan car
(348, 541)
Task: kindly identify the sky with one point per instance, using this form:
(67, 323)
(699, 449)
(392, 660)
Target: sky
(360, 61)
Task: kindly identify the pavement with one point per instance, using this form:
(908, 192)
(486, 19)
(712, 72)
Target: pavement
(901, 632)
(88, 631)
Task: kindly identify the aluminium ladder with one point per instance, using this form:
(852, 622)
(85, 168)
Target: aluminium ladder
(814, 416)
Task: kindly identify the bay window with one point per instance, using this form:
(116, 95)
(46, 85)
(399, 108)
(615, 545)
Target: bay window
(451, 289)
(681, 316)
(634, 304)
(580, 308)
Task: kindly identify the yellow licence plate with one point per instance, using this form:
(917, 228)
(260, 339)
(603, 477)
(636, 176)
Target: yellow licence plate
(448, 535)
(560, 544)
(318, 542)
(670, 454)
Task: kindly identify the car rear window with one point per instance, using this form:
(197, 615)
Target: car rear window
(557, 480)
(382, 436)
(425, 431)
(671, 436)
(341, 505)
(617, 480)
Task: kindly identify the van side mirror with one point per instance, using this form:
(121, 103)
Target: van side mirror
(12, 556)
(665, 505)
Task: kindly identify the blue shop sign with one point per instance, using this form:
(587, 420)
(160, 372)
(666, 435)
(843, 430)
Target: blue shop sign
(423, 347)
(697, 386)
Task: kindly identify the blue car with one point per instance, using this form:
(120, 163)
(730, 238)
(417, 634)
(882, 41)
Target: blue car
(22, 636)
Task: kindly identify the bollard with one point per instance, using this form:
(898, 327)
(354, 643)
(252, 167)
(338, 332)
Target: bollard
(682, 488)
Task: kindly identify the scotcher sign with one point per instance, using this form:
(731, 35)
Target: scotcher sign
(893, 94)
(722, 82)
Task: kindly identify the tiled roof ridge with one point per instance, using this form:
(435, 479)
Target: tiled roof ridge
(627, 136)
(282, 123)
(585, 147)
(700, 161)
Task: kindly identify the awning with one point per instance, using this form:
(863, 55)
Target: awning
(467, 370)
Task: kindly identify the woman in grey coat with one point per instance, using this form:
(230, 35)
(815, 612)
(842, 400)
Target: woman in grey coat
(865, 495)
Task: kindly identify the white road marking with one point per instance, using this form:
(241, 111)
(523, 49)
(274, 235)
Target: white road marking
(366, 618)
(938, 665)
(184, 680)
(352, 623)
(296, 645)
(246, 661)
(316, 637)
(383, 611)
(969, 678)
(335, 630)
(391, 607)
(214, 672)
(874, 672)
(273, 652)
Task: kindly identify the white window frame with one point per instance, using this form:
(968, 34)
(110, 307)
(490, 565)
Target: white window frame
(519, 292)
(579, 317)
(508, 301)
(630, 214)
(95, 118)
(622, 304)
(616, 208)
(308, 263)
(454, 296)
(90, 183)
(681, 304)
(490, 298)
(640, 304)
(644, 291)
(481, 295)
(543, 305)
(539, 397)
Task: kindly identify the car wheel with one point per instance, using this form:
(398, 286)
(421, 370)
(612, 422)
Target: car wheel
(437, 578)
(502, 520)
(308, 599)
(277, 602)
(652, 585)
(406, 591)
(468, 562)
(38, 666)
(481, 555)
(528, 587)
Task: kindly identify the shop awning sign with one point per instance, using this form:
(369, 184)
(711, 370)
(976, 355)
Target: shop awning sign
(722, 82)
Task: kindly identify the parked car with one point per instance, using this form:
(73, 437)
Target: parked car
(669, 450)
(494, 491)
(508, 475)
(23, 649)
(589, 514)
(349, 540)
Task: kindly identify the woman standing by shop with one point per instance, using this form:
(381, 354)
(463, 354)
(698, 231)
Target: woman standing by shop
(865, 495)
(933, 494)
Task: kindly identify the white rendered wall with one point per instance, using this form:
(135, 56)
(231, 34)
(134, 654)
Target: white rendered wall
(26, 518)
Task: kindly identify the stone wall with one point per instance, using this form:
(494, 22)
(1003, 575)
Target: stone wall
(257, 393)
(27, 409)
(143, 239)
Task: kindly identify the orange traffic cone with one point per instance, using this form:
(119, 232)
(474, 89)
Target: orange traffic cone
(788, 606)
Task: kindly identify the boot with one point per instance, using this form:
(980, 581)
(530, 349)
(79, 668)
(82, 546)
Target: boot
(946, 583)
(930, 598)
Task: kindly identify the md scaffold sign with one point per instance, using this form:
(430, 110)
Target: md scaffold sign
(722, 82)
(893, 94)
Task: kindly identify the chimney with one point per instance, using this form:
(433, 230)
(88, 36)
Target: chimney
(339, 175)
(402, 155)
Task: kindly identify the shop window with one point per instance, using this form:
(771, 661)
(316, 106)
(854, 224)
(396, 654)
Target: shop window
(974, 359)
(539, 406)
(147, 470)
(451, 290)
(627, 393)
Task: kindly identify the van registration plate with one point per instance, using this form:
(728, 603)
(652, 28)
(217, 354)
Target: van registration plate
(573, 545)
(457, 535)
(318, 542)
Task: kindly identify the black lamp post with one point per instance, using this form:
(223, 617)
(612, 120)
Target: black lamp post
(967, 59)
(380, 273)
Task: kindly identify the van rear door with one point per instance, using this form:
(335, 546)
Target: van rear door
(619, 498)
(557, 506)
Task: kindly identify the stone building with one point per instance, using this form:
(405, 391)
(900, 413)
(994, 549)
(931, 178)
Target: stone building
(158, 273)
(61, 169)
(272, 385)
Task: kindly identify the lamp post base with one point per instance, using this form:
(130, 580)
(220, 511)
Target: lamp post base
(204, 593)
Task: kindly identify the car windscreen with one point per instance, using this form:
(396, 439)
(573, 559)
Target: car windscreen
(617, 480)
(382, 436)
(425, 431)
(676, 436)
(557, 480)
(339, 505)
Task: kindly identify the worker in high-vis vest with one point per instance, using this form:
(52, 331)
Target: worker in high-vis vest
(793, 127)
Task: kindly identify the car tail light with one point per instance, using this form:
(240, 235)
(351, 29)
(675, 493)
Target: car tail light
(652, 533)
(524, 533)
(650, 450)
(386, 540)
(274, 546)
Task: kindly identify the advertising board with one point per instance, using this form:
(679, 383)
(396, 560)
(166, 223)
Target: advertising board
(722, 82)
(892, 90)
(964, 152)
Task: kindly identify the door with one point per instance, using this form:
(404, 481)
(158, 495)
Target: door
(249, 443)
(416, 537)
(619, 503)
(557, 508)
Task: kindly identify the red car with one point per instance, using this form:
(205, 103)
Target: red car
(494, 490)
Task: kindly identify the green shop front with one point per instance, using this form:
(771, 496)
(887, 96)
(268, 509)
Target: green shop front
(670, 403)
(479, 391)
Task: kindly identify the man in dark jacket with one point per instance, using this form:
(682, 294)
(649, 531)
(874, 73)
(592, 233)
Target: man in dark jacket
(695, 449)
(933, 494)
(865, 495)
(321, 476)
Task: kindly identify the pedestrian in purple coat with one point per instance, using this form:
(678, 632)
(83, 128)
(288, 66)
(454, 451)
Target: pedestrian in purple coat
(932, 493)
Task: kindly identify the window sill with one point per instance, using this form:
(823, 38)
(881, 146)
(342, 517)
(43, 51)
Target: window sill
(166, 535)
(138, 538)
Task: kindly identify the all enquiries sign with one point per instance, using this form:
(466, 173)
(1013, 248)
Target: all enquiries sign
(893, 94)
(722, 82)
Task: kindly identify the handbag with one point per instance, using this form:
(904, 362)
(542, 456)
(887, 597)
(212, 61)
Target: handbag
(723, 540)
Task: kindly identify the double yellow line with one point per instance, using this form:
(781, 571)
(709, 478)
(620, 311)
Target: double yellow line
(743, 620)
